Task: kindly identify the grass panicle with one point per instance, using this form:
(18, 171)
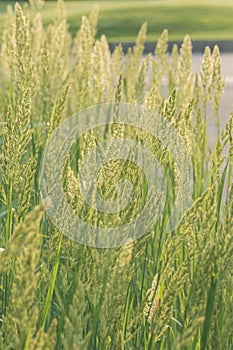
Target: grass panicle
(166, 290)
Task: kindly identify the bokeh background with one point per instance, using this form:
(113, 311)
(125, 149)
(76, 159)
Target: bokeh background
(121, 19)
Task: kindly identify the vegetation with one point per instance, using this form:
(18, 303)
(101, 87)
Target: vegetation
(119, 20)
(167, 290)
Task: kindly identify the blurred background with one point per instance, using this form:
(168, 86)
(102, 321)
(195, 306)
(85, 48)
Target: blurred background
(120, 20)
(208, 22)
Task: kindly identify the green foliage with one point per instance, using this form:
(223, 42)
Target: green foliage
(163, 291)
(120, 19)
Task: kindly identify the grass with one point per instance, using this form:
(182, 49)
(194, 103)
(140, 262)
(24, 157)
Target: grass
(165, 290)
(119, 20)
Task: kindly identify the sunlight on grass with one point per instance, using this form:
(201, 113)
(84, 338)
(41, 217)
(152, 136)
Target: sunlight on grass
(120, 19)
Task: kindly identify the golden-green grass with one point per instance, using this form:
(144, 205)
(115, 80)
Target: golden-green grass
(119, 20)
(166, 290)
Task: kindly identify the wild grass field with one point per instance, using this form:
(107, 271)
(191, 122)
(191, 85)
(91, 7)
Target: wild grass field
(165, 290)
(119, 20)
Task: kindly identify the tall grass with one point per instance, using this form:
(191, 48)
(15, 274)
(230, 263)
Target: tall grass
(163, 291)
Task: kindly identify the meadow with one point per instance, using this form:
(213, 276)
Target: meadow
(119, 20)
(166, 290)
